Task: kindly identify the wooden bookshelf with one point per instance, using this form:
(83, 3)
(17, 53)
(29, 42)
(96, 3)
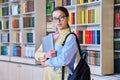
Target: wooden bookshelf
(116, 37)
(102, 21)
(26, 25)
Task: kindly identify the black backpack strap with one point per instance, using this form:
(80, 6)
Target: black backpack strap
(79, 49)
(78, 45)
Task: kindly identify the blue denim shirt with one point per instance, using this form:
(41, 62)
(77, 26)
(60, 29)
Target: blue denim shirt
(65, 55)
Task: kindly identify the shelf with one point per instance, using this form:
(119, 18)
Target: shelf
(116, 28)
(99, 24)
(89, 4)
(26, 22)
(6, 58)
(117, 5)
(95, 69)
(22, 60)
(116, 50)
(90, 24)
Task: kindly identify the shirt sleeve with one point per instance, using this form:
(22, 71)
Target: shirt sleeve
(39, 53)
(69, 50)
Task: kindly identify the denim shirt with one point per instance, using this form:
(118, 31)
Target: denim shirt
(65, 55)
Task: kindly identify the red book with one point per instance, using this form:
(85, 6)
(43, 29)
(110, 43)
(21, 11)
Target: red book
(89, 19)
(117, 15)
(73, 18)
(78, 34)
(90, 37)
(86, 37)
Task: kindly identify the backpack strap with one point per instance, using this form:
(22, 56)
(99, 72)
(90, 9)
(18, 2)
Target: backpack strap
(78, 45)
(79, 49)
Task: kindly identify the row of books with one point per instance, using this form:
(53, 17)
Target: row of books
(117, 62)
(116, 1)
(93, 57)
(28, 22)
(117, 34)
(4, 50)
(89, 36)
(116, 44)
(71, 18)
(29, 51)
(17, 51)
(4, 11)
(15, 9)
(67, 2)
(4, 24)
(16, 37)
(50, 6)
(86, 1)
(72, 2)
(27, 6)
(4, 37)
(30, 38)
(89, 16)
(15, 23)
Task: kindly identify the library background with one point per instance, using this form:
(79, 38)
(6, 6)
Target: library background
(23, 23)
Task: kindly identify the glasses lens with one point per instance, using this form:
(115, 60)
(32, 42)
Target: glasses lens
(61, 18)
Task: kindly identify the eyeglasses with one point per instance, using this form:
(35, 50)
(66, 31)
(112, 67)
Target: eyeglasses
(60, 18)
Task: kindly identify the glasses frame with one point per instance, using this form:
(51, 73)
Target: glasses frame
(60, 18)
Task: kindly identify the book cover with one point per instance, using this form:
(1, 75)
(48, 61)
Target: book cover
(47, 43)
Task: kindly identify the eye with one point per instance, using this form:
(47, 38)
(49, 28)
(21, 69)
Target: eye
(54, 18)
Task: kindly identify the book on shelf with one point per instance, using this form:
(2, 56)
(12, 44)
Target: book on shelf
(50, 6)
(27, 6)
(28, 22)
(4, 50)
(15, 23)
(117, 62)
(30, 37)
(88, 16)
(30, 51)
(5, 37)
(15, 9)
(47, 42)
(17, 51)
(89, 36)
(117, 34)
(93, 57)
(4, 24)
(116, 44)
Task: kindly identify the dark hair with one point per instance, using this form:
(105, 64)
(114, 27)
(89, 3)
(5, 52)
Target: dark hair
(64, 10)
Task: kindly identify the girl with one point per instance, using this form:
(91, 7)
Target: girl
(62, 55)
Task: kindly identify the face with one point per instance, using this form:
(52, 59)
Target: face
(60, 20)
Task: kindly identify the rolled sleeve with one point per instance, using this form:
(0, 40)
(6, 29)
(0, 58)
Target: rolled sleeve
(39, 53)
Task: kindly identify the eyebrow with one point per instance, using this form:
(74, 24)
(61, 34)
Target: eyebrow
(58, 16)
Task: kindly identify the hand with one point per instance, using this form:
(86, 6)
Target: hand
(43, 64)
(50, 54)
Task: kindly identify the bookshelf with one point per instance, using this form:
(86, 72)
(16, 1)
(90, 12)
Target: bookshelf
(23, 24)
(50, 5)
(92, 20)
(116, 36)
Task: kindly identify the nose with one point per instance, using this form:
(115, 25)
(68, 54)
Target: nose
(58, 20)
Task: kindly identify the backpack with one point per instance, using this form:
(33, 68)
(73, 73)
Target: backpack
(82, 70)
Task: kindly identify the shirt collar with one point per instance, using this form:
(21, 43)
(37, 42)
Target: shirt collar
(64, 31)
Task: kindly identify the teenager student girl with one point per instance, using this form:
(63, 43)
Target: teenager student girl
(61, 55)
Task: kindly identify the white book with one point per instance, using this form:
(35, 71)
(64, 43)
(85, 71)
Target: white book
(47, 43)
